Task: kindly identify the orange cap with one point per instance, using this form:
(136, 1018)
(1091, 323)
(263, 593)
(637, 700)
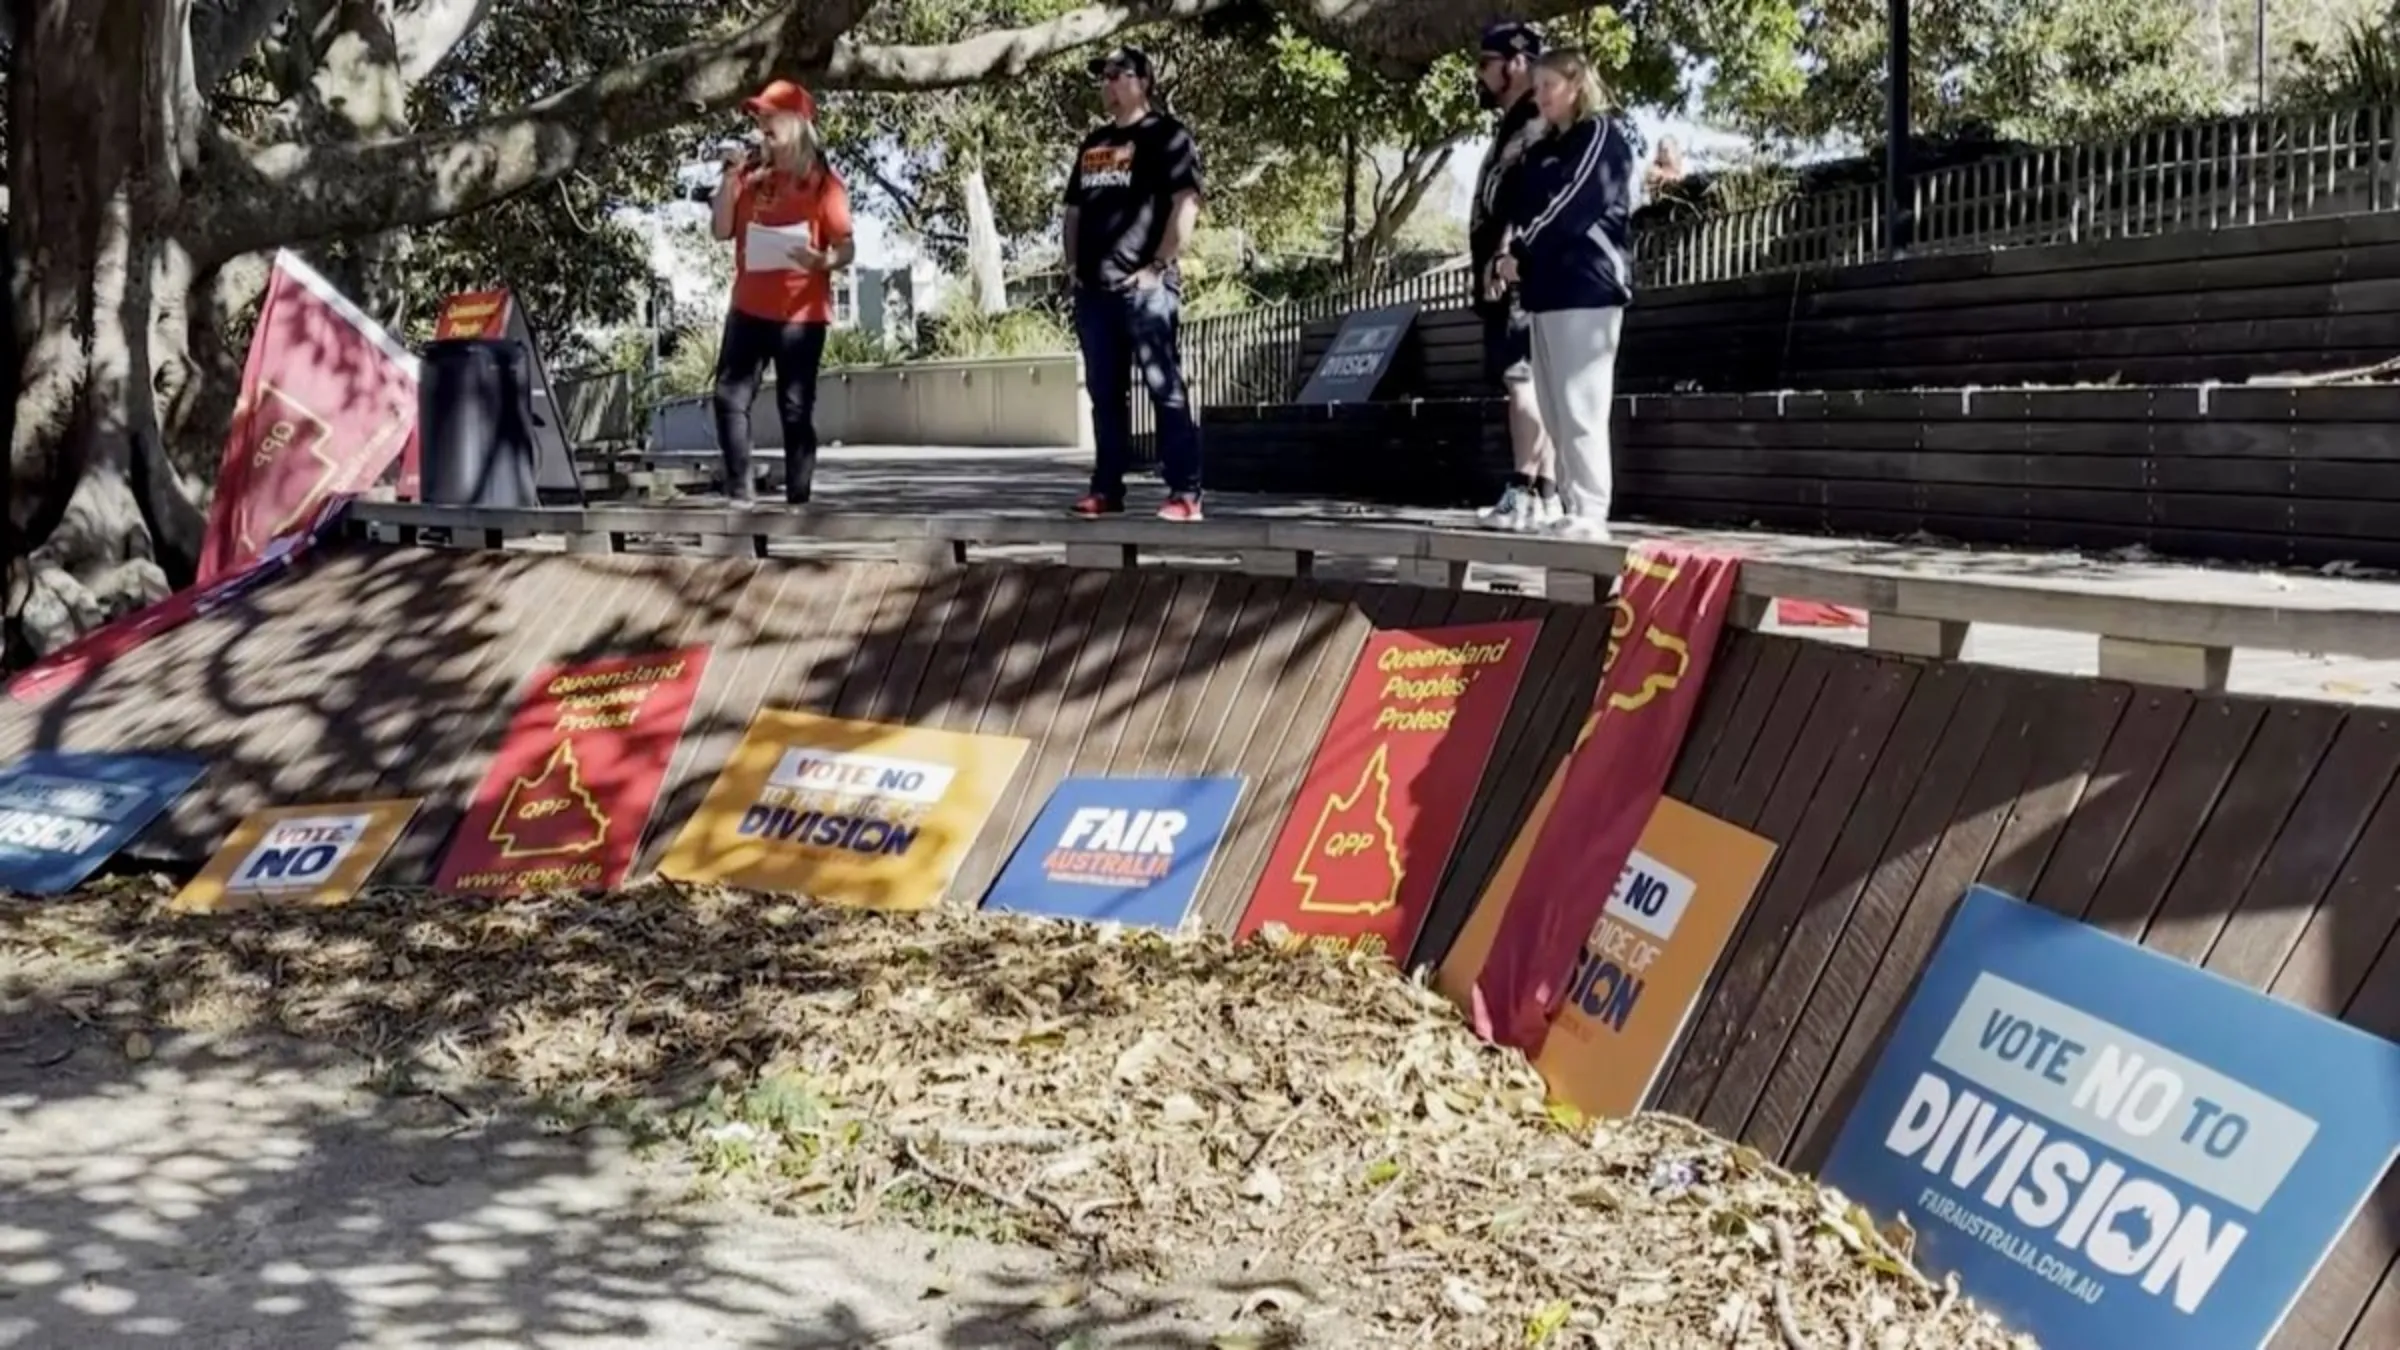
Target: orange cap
(786, 97)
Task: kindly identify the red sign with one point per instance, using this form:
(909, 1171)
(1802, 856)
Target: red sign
(329, 402)
(473, 314)
(122, 634)
(565, 801)
(1670, 607)
(1388, 792)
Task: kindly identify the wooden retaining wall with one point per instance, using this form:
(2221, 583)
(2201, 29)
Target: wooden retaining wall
(2284, 475)
(2255, 838)
(2302, 296)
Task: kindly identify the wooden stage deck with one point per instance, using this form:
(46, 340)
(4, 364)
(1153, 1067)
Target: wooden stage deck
(1034, 485)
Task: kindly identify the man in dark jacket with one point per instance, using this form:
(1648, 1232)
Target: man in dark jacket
(1132, 201)
(1504, 81)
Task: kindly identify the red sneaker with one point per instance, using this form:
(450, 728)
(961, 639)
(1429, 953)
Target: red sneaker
(1181, 507)
(1095, 506)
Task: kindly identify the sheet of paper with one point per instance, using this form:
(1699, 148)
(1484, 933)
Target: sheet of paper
(770, 248)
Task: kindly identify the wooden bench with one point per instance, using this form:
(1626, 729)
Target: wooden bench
(2155, 624)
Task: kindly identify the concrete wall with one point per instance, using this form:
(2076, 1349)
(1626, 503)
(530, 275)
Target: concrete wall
(1019, 401)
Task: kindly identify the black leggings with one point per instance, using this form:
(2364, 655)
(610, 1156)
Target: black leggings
(796, 349)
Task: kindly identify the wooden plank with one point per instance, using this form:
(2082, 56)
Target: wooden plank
(1777, 740)
(1729, 671)
(2173, 813)
(2065, 755)
(746, 658)
(1793, 1057)
(2259, 932)
(1081, 651)
(1168, 675)
(1541, 728)
(1802, 908)
(2274, 771)
(858, 690)
(1966, 832)
(1294, 697)
(939, 699)
(2331, 1310)
(1241, 615)
(2350, 927)
(1760, 693)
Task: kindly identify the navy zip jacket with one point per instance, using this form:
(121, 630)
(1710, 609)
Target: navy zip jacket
(1573, 215)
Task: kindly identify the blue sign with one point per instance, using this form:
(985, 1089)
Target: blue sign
(63, 813)
(1118, 850)
(2112, 1148)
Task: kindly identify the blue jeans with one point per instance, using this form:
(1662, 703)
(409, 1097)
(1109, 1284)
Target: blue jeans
(1124, 334)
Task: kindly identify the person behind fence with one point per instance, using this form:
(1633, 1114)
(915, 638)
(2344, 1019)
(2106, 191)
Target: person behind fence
(1132, 200)
(1571, 251)
(788, 215)
(1504, 80)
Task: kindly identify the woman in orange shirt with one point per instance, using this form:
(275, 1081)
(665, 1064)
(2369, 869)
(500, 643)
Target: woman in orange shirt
(788, 216)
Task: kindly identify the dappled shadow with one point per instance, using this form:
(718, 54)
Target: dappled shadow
(235, 1190)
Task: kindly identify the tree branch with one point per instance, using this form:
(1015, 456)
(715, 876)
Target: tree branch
(224, 31)
(1006, 52)
(293, 194)
(429, 30)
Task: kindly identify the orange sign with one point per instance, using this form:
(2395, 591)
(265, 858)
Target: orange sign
(474, 314)
(1641, 971)
(297, 855)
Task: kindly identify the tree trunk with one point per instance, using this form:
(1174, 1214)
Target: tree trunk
(103, 523)
(986, 271)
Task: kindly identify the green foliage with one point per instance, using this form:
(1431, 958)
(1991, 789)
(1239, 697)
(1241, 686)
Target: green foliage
(2359, 65)
(2043, 71)
(962, 332)
(557, 247)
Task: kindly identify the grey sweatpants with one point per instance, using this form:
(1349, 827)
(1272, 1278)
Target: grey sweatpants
(1575, 379)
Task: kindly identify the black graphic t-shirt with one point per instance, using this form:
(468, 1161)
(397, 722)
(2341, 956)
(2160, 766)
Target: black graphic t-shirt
(1123, 186)
(1487, 214)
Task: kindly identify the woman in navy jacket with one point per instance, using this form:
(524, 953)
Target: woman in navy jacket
(1571, 253)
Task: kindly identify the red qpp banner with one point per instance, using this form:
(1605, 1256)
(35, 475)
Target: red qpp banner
(1670, 607)
(1375, 820)
(565, 801)
(329, 402)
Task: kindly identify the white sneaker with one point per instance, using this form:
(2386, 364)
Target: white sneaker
(1579, 529)
(1546, 512)
(1509, 513)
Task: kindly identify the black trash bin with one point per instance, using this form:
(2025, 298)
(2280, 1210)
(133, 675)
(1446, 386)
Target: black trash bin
(475, 442)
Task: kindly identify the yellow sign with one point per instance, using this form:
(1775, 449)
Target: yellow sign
(297, 855)
(1648, 957)
(856, 813)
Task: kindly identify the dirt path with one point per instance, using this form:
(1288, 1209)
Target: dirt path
(255, 1192)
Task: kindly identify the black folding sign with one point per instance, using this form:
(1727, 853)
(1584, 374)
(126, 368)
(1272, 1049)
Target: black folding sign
(1354, 367)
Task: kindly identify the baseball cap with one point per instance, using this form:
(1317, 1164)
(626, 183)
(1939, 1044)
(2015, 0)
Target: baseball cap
(1512, 39)
(1123, 58)
(786, 97)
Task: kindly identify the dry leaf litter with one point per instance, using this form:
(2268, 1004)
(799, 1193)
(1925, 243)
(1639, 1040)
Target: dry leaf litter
(1123, 1097)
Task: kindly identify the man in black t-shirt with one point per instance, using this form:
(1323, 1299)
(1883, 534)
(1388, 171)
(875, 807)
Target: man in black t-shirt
(1132, 200)
(1504, 80)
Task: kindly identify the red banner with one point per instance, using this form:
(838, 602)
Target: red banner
(1818, 614)
(565, 801)
(122, 634)
(1670, 607)
(473, 314)
(329, 402)
(1387, 794)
